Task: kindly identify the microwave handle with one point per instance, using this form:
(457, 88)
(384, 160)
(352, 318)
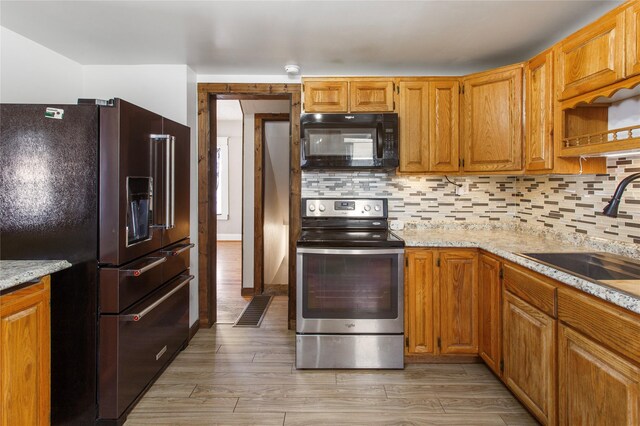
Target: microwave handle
(380, 141)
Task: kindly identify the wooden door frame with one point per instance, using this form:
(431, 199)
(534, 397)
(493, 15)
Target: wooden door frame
(258, 197)
(206, 186)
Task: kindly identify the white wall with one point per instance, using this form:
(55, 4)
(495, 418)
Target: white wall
(192, 122)
(247, 199)
(158, 88)
(231, 228)
(32, 73)
(276, 202)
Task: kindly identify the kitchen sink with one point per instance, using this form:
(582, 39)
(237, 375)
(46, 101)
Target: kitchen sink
(600, 267)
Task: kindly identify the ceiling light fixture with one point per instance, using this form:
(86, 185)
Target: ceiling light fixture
(292, 69)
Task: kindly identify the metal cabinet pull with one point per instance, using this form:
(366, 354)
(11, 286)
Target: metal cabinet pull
(145, 311)
(140, 271)
(179, 250)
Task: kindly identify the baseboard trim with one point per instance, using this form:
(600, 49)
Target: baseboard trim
(441, 359)
(229, 237)
(192, 330)
(247, 291)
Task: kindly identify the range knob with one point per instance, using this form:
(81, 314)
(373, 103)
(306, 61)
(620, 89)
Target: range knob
(312, 207)
(321, 208)
(367, 208)
(377, 208)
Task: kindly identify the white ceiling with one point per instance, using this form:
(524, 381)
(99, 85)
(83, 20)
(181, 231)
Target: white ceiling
(323, 37)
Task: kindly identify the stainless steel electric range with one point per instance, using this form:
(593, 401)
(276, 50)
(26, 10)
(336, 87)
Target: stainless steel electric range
(349, 286)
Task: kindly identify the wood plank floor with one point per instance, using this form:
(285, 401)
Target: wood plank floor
(247, 376)
(229, 281)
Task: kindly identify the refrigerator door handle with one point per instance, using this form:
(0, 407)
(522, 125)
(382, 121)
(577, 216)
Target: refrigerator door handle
(172, 185)
(138, 316)
(169, 180)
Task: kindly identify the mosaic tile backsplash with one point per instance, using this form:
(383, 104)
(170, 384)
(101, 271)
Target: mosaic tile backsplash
(558, 203)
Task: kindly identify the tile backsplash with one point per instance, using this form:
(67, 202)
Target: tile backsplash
(560, 203)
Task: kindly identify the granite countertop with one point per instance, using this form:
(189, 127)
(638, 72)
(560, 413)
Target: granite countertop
(507, 243)
(16, 272)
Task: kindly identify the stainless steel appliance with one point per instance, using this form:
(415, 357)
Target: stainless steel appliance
(349, 286)
(349, 141)
(107, 188)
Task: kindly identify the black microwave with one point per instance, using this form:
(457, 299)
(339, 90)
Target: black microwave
(349, 141)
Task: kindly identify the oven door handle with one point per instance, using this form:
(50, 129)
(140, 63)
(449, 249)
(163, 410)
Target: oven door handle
(151, 307)
(348, 251)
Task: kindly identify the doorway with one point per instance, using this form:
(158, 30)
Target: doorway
(208, 95)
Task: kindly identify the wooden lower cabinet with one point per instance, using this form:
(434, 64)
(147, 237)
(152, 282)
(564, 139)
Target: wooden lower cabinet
(489, 307)
(596, 386)
(25, 355)
(530, 357)
(419, 306)
(458, 294)
(441, 302)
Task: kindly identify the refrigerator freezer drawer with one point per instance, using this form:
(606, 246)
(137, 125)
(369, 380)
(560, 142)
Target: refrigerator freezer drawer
(136, 345)
(124, 286)
(177, 259)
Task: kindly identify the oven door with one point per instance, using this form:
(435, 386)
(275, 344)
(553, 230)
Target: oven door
(350, 291)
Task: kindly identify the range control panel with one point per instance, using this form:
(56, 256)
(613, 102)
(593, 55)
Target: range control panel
(341, 207)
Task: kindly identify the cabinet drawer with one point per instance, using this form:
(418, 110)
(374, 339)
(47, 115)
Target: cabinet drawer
(137, 344)
(611, 326)
(532, 288)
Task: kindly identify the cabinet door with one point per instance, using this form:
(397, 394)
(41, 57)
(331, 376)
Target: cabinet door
(529, 357)
(443, 126)
(419, 307)
(596, 386)
(539, 112)
(592, 58)
(458, 289)
(492, 121)
(371, 96)
(633, 39)
(490, 327)
(25, 356)
(413, 115)
(326, 96)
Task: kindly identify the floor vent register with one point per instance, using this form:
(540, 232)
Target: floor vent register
(254, 312)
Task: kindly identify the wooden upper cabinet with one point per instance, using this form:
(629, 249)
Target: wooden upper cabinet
(539, 112)
(530, 357)
(458, 289)
(25, 355)
(591, 58)
(413, 117)
(371, 96)
(444, 98)
(596, 386)
(348, 94)
(326, 96)
(492, 120)
(489, 300)
(633, 39)
(419, 306)
(428, 115)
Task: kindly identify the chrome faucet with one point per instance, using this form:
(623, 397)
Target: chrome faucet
(611, 209)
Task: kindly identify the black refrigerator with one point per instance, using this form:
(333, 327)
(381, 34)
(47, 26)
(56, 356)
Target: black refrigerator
(104, 185)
